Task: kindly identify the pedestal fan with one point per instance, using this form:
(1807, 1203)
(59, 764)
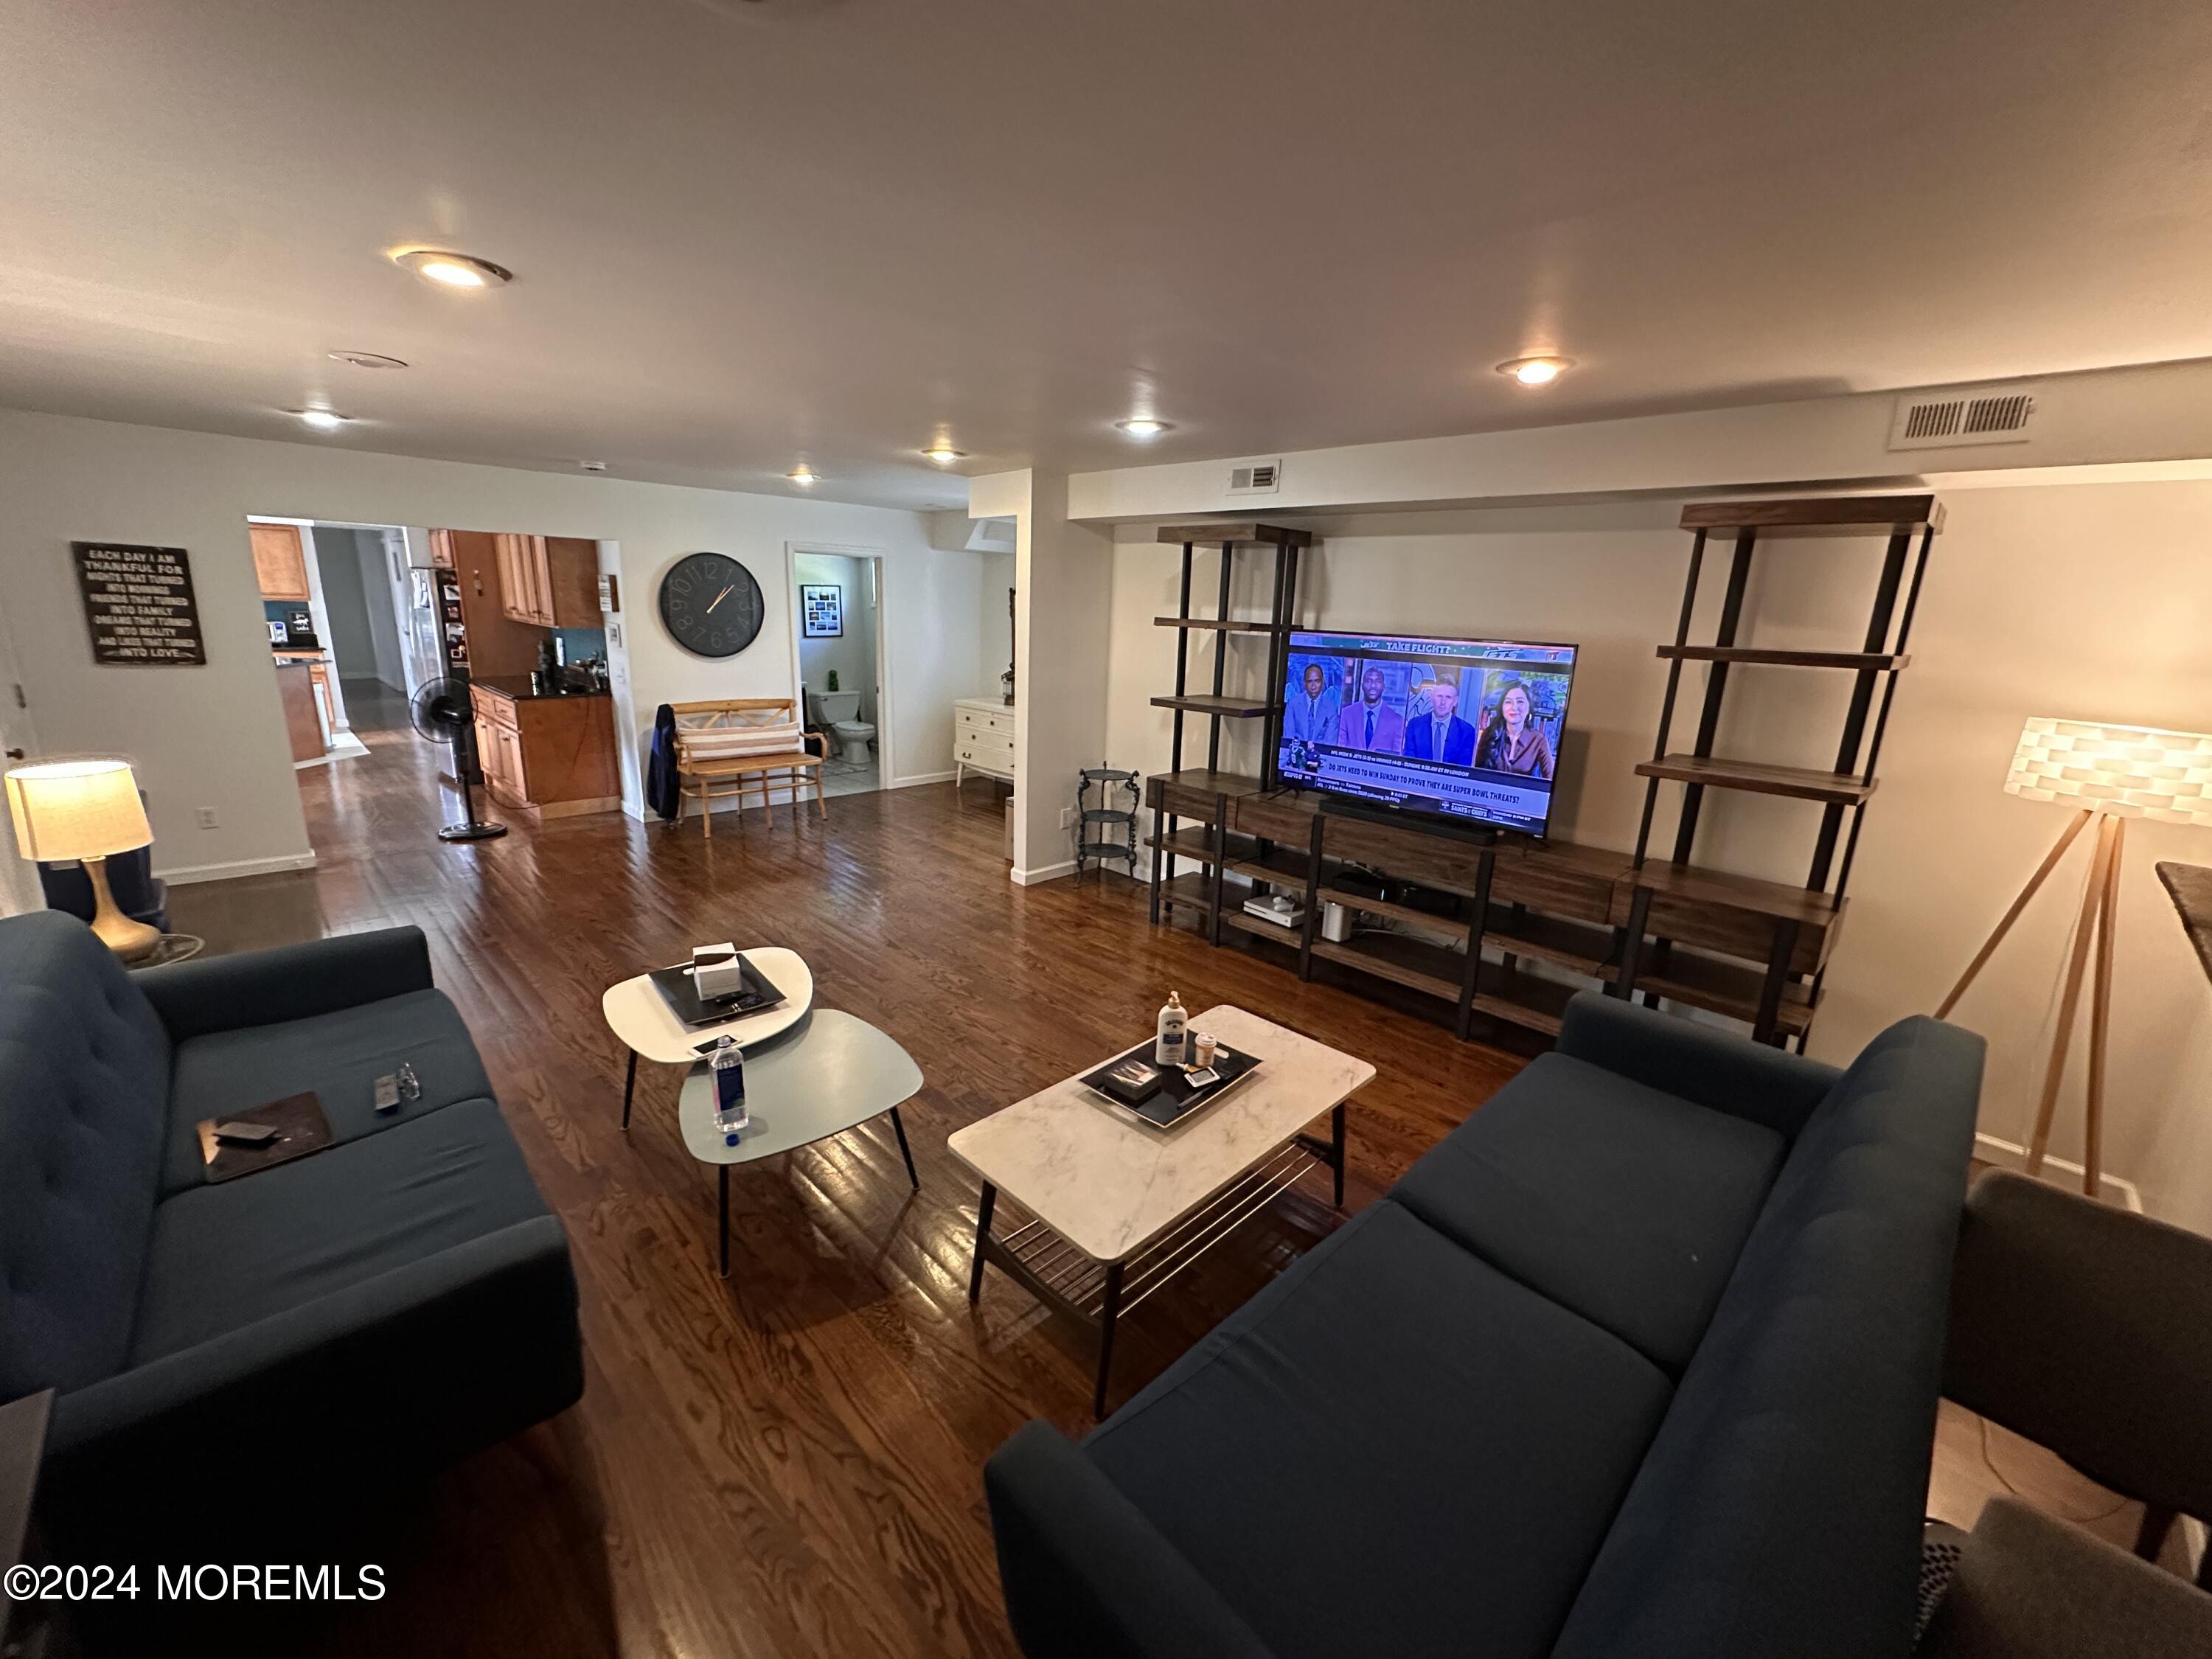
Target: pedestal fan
(444, 711)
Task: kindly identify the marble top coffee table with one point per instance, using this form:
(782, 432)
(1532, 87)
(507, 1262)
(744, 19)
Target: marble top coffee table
(1117, 1208)
(829, 1074)
(639, 1015)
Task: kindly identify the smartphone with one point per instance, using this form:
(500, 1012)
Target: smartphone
(245, 1134)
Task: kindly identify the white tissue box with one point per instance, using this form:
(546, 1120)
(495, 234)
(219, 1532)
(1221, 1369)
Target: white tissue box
(716, 971)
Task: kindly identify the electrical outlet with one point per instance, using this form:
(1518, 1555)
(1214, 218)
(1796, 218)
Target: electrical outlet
(206, 817)
(1067, 818)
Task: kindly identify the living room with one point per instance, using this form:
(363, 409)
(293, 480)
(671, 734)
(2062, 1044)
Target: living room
(1641, 734)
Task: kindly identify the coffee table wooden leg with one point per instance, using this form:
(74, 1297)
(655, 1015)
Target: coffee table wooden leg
(722, 1231)
(983, 1232)
(1106, 1311)
(899, 1129)
(629, 1088)
(1336, 1148)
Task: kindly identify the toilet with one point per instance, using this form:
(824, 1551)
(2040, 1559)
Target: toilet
(839, 713)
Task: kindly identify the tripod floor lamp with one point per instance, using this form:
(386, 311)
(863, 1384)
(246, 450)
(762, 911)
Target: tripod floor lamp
(2111, 774)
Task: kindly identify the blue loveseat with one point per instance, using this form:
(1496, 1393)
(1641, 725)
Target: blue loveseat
(1641, 1360)
(264, 1349)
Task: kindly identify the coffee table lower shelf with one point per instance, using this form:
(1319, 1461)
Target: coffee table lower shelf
(1098, 1292)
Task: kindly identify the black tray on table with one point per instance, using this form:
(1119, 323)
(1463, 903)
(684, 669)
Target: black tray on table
(1173, 1097)
(690, 1008)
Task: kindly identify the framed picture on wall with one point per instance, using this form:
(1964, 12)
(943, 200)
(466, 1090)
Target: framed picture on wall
(821, 610)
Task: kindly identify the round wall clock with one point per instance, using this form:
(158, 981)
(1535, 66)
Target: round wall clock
(711, 605)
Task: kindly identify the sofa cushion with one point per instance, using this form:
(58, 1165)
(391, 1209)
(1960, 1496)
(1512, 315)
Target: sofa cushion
(1779, 1509)
(337, 1055)
(1624, 1204)
(84, 1079)
(1446, 1440)
(224, 1256)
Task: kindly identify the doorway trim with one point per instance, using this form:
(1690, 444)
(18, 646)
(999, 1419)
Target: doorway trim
(887, 772)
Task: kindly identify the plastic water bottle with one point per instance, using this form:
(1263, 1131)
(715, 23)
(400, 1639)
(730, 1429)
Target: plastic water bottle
(727, 1066)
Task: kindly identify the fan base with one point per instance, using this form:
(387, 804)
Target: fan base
(471, 831)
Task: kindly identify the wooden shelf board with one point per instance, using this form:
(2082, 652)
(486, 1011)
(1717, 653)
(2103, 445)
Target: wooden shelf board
(1583, 949)
(1215, 535)
(1879, 660)
(1412, 962)
(1717, 887)
(1522, 999)
(1199, 781)
(1842, 788)
(1238, 708)
(1217, 625)
(1283, 865)
(1863, 515)
(1723, 988)
(1449, 926)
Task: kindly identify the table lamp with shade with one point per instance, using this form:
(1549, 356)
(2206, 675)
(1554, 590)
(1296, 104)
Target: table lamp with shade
(2112, 773)
(85, 810)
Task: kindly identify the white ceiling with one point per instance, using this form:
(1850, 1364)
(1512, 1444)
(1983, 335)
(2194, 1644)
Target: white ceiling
(750, 233)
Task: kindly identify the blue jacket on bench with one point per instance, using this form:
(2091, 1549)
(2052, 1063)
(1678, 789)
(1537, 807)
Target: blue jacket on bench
(1640, 1361)
(230, 1353)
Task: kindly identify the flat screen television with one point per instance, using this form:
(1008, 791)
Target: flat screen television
(1466, 730)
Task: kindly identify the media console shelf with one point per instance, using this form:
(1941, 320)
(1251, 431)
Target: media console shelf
(1510, 906)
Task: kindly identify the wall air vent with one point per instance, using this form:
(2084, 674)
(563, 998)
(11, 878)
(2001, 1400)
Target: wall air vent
(1972, 415)
(1256, 478)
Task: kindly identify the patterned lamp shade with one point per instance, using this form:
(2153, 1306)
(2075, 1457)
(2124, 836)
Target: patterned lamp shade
(2128, 771)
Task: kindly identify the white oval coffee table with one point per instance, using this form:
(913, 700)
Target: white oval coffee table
(639, 1016)
(833, 1074)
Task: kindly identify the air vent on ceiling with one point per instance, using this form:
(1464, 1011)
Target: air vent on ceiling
(1972, 415)
(1256, 478)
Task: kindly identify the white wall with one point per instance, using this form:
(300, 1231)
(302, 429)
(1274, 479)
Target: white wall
(214, 736)
(852, 654)
(2092, 601)
(997, 622)
(355, 596)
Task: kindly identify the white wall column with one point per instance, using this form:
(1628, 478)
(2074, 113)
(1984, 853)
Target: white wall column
(1063, 598)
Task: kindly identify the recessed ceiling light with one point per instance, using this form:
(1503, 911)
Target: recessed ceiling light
(593, 466)
(452, 270)
(322, 420)
(1535, 371)
(1145, 426)
(367, 359)
(803, 474)
(944, 454)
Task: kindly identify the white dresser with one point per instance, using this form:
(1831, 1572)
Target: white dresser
(982, 739)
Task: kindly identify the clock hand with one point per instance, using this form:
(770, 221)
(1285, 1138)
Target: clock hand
(719, 598)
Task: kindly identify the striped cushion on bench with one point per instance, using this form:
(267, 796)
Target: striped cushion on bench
(732, 742)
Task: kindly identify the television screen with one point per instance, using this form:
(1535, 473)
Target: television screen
(1465, 729)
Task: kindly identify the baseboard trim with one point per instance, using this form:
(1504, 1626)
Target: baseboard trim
(920, 778)
(191, 873)
(1043, 874)
(2011, 1154)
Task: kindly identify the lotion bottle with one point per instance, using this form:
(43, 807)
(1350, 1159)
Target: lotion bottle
(1172, 1047)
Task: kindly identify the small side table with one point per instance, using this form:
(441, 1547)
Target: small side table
(639, 1016)
(832, 1073)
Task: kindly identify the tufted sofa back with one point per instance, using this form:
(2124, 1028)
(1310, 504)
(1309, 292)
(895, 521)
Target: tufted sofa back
(84, 1094)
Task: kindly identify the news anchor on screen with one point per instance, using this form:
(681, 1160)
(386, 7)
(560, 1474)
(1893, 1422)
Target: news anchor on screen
(1311, 710)
(1370, 723)
(1512, 742)
(1440, 734)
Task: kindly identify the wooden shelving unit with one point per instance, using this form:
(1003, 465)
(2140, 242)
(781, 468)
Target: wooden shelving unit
(1510, 907)
(1663, 953)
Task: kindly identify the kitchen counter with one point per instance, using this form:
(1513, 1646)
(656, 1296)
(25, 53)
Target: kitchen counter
(516, 688)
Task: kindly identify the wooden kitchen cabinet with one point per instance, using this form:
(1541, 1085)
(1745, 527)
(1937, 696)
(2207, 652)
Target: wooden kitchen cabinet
(280, 561)
(549, 581)
(554, 757)
(441, 549)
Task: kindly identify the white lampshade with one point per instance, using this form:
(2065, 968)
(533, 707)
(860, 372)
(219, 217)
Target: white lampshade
(82, 809)
(2128, 771)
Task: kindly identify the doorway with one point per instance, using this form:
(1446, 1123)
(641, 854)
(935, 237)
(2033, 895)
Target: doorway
(837, 607)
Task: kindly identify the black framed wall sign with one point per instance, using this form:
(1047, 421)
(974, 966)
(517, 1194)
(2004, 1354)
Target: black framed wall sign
(821, 610)
(139, 605)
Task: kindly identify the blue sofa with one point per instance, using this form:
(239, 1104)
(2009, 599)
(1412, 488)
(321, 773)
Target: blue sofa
(1641, 1360)
(262, 1350)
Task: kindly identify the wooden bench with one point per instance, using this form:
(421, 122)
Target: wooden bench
(699, 771)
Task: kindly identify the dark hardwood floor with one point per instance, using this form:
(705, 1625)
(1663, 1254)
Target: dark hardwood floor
(789, 1461)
